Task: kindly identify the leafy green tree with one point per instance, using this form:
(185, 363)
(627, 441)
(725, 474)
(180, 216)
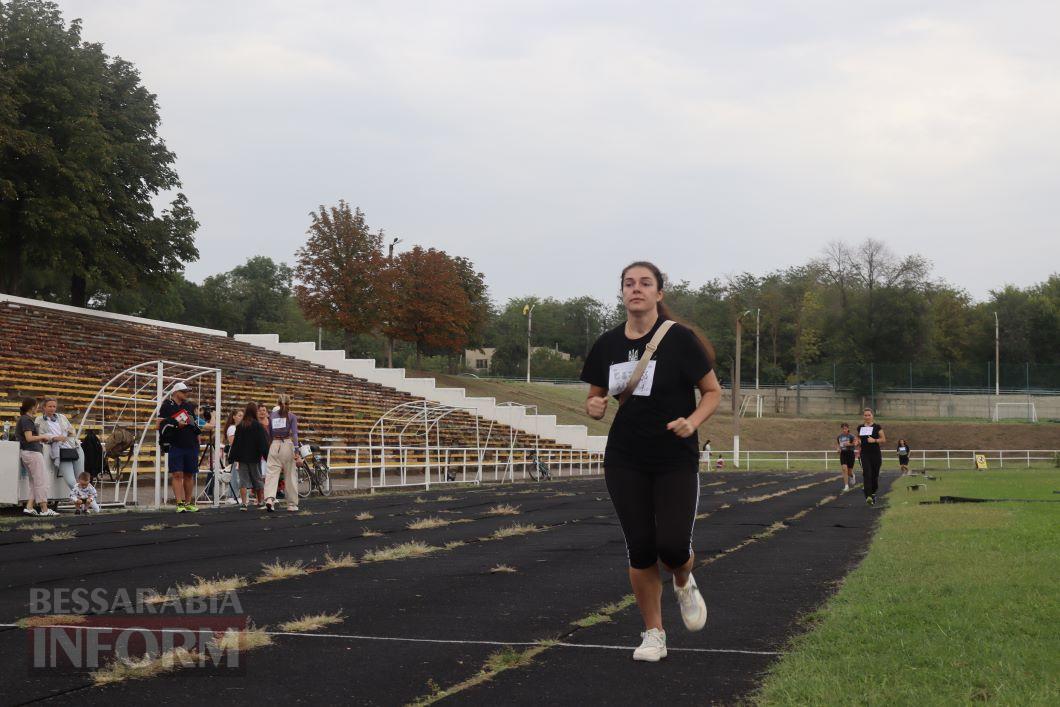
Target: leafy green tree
(80, 165)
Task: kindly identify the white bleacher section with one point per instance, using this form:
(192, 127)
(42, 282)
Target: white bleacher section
(577, 436)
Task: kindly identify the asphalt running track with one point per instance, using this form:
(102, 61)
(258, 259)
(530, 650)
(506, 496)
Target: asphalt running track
(771, 546)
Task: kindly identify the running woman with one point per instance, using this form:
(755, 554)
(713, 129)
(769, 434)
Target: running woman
(903, 456)
(652, 454)
(845, 444)
(870, 435)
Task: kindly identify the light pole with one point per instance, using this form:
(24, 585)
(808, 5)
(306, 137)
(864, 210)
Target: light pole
(758, 329)
(390, 339)
(736, 392)
(528, 312)
(997, 356)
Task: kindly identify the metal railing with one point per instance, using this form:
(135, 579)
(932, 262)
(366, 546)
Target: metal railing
(394, 466)
(920, 458)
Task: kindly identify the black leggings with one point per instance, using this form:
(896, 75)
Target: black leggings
(870, 465)
(657, 510)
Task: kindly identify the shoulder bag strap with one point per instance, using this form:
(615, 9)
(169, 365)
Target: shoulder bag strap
(642, 365)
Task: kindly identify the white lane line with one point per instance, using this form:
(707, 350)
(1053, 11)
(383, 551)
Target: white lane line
(450, 641)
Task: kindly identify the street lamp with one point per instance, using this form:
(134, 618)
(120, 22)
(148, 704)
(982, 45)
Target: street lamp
(997, 356)
(736, 392)
(390, 339)
(528, 312)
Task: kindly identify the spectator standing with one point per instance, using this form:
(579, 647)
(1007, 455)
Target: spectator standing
(31, 454)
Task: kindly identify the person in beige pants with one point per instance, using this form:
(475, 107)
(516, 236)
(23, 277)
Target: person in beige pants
(31, 454)
(283, 455)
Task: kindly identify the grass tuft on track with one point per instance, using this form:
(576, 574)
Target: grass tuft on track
(503, 509)
(334, 563)
(148, 667)
(202, 587)
(312, 622)
(514, 529)
(272, 571)
(36, 526)
(953, 604)
(58, 535)
(51, 620)
(428, 523)
(245, 640)
(400, 552)
(503, 569)
(364, 516)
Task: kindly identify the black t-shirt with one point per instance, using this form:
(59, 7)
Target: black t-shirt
(665, 393)
(845, 442)
(186, 437)
(866, 445)
(903, 450)
(25, 424)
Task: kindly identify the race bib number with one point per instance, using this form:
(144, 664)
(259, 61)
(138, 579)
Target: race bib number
(279, 423)
(865, 431)
(619, 374)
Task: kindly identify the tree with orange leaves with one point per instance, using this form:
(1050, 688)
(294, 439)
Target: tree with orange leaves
(428, 305)
(340, 271)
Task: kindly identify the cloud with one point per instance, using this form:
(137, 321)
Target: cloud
(716, 137)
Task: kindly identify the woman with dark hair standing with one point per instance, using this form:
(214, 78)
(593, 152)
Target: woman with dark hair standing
(249, 444)
(870, 435)
(653, 367)
(31, 454)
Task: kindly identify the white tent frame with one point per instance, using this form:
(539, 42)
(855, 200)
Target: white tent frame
(130, 386)
(509, 468)
(419, 414)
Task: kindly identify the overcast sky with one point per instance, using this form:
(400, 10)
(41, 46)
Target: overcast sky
(554, 141)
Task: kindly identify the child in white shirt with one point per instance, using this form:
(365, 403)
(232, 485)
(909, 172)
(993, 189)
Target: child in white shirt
(84, 495)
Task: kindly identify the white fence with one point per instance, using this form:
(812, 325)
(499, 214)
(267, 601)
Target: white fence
(411, 466)
(918, 458)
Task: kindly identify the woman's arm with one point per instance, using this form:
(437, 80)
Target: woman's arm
(882, 439)
(710, 397)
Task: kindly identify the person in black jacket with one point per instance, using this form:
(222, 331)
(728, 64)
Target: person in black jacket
(250, 444)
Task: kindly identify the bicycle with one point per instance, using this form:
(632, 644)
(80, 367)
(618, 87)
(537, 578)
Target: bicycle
(313, 472)
(539, 470)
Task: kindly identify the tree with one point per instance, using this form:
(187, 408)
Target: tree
(481, 309)
(427, 305)
(80, 164)
(340, 271)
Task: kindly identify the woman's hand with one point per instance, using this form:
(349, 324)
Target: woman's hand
(596, 403)
(596, 407)
(681, 427)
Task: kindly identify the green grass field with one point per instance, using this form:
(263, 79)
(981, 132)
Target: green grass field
(953, 604)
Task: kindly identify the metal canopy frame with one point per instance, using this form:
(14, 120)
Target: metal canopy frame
(149, 383)
(509, 468)
(419, 420)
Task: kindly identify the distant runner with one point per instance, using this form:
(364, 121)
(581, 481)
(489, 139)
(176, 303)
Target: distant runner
(870, 435)
(845, 444)
(903, 456)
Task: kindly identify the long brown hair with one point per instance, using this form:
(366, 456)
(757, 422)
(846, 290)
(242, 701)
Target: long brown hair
(664, 311)
(250, 415)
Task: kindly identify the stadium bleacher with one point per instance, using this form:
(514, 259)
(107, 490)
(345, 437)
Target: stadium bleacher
(71, 354)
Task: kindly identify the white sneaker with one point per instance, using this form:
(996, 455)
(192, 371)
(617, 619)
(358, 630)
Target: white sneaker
(653, 648)
(30, 511)
(49, 512)
(693, 608)
(846, 487)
